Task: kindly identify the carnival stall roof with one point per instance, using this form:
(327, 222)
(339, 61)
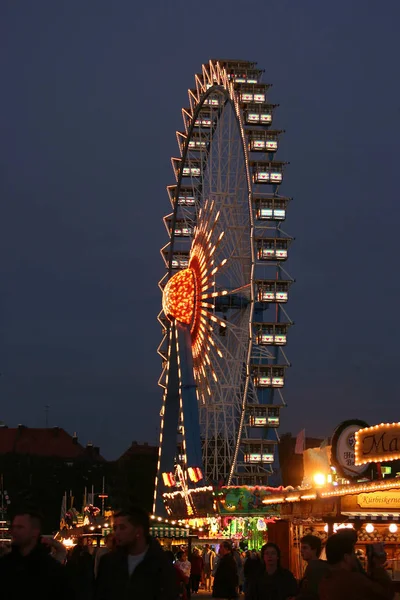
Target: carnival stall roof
(333, 492)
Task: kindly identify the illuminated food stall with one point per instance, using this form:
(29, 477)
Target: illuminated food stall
(345, 485)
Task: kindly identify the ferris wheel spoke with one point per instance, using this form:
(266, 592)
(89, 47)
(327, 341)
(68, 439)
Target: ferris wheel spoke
(262, 352)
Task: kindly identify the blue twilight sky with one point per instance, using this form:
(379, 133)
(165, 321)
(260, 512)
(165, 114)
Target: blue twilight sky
(91, 96)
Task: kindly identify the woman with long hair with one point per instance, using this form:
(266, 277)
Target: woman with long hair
(274, 582)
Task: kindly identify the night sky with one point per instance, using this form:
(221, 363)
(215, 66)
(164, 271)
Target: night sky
(91, 97)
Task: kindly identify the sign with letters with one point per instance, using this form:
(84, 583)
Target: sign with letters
(380, 500)
(343, 451)
(377, 444)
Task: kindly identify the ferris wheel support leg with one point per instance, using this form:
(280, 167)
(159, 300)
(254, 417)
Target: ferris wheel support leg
(190, 409)
(170, 426)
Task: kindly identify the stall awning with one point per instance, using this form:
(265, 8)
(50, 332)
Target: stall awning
(376, 517)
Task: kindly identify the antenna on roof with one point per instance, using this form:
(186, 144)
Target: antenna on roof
(46, 411)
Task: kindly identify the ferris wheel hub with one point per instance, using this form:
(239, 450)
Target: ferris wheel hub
(179, 297)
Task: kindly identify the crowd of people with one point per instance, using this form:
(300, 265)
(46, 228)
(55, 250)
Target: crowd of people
(134, 566)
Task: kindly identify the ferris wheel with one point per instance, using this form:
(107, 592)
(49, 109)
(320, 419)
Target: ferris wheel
(224, 320)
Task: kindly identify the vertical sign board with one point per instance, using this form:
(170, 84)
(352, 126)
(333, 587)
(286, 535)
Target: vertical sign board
(343, 449)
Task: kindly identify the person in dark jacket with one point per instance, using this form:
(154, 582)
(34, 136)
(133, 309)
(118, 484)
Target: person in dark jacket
(352, 535)
(29, 571)
(226, 576)
(345, 582)
(197, 570)
(252, 569)
(275, 583)
(80, 571)
(182, 580)
(109, 545)
(138, 568)
(310, 549)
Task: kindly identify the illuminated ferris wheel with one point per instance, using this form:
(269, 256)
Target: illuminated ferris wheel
(224, 320)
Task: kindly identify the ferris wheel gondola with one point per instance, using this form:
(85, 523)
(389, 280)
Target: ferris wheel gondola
(224, 319)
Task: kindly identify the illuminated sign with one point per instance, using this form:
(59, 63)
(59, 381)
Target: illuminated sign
(247, 500)
(343, 449)
(378, 443)
(390, 499)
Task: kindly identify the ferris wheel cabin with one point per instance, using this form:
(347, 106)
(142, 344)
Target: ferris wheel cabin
(258, 451)
(268, 376)
(267, 171)
(263, 415)
(191, 168)
(204, 119)
(213, 100)
(273, 248)
(271, 334)
(181, 228)
(254, 94)
(270, 209)
(259, 113)
(199, 140)
(180, 259)
(187, 197)
(273, 290)
(263, 141)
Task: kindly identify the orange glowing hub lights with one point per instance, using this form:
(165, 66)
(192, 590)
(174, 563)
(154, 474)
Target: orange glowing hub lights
(190, 294)
(182, 297)
(179, 297)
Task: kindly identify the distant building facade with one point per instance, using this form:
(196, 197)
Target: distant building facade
(38, 465)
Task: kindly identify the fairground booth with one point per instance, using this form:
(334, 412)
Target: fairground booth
(346, 485)
(350, 483)
(214, 514)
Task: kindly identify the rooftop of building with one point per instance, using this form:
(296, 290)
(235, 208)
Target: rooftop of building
(138, 449)
(49, 442)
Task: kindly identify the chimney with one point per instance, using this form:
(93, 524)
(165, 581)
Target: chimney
(21, 429)
(75, 439)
